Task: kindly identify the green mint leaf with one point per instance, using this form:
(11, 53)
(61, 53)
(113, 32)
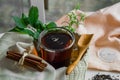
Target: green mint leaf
(23, 23)
(19, 22)
(51, 25)
(16, 29)
(39, 25)
(25, 19)
(33, 15)
(22, 31)
(36, 35)
(26, 31)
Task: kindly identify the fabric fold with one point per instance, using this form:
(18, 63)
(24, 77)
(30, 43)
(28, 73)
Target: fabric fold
(12, 41)
(105, 25)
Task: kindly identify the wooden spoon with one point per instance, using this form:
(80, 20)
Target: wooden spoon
(83, 44)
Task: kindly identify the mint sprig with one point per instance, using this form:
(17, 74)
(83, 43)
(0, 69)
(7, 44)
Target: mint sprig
(23, 22)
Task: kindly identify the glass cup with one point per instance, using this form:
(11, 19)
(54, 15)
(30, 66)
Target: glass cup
(56, 46)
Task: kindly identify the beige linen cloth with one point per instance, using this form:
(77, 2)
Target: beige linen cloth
(10, 70)
(104, 50)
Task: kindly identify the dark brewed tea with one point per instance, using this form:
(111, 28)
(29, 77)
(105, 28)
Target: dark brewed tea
(57, 49)
(56, 40)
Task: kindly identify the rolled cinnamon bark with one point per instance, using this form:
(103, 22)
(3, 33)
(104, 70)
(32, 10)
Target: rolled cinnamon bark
(29, 61)
(36, 59)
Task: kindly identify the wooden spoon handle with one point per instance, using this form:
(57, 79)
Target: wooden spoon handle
(83, 44)
(73, 65)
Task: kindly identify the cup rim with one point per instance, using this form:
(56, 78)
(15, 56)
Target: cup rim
(54, 50)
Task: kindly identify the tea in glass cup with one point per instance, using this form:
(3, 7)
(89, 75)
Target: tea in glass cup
(56, 46)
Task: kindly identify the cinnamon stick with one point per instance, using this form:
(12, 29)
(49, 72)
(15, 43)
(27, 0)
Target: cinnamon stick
(29, 61)
(27, 64)
(26, 59)
(36, 59)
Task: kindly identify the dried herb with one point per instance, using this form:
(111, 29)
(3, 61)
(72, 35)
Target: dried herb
(104, 77)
